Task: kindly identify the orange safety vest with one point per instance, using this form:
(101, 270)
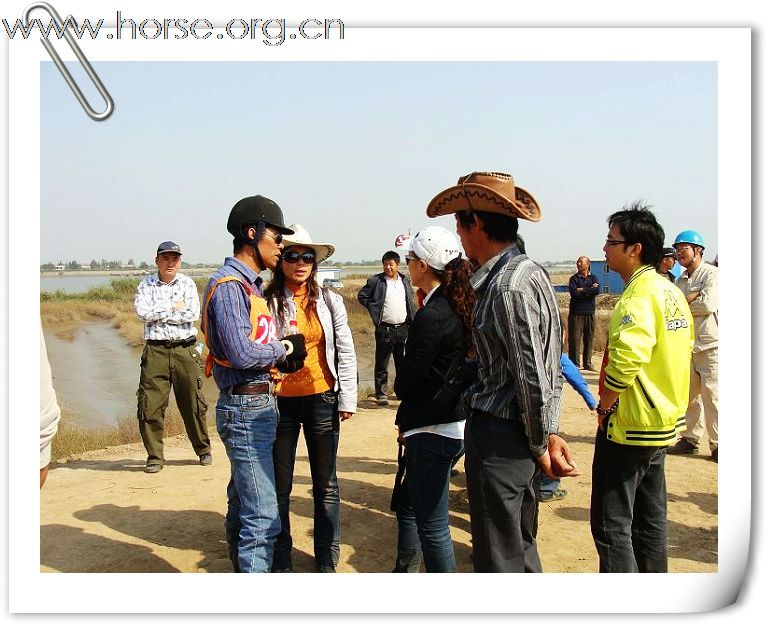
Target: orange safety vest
(263, 328)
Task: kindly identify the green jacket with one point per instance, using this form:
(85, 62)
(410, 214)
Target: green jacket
(648, 362)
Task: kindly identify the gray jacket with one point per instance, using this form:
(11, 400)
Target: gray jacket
(705, 309)
(338, 342)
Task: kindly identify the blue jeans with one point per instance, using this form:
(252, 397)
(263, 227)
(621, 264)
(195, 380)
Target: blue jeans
(318, 414)
(628, 506)
(247, 426)
(548, 485)
(422, 514)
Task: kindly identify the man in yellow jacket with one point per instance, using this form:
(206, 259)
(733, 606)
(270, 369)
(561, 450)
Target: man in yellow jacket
(644, 386)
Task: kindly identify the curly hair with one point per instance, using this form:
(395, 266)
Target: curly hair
(276, 290)
(459, 293)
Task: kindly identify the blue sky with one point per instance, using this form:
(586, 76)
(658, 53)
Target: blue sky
(355, 151)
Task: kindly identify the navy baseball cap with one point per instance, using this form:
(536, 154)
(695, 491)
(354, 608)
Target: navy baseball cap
(669, 252)
(168, 247)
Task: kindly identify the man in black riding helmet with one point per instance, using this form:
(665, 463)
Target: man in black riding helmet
(244, 350)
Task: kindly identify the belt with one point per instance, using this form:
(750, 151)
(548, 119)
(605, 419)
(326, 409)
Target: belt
(170, 344)
(254, 387)
(392, 324)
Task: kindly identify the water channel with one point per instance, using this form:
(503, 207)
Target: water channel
(95, 375)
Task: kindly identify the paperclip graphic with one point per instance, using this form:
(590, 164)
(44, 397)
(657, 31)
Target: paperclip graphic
(83, 61)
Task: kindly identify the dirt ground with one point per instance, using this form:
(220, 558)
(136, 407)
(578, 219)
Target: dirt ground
(101, 513)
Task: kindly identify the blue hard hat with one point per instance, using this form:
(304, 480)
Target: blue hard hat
(690, 236)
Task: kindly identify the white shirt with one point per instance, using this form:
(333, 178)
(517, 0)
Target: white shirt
(50, 412)
(155, 305)
(395, 307)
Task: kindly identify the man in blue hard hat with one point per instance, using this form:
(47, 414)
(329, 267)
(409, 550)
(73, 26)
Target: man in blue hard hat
(699, 283)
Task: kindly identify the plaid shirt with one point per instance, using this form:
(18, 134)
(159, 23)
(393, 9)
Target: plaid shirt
(155, 302)
(517, 335)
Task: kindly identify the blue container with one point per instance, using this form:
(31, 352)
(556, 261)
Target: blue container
(609, 281)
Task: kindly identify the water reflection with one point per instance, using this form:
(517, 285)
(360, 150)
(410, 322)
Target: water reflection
(95, 375)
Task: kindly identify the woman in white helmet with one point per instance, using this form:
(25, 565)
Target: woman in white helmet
(430, 427)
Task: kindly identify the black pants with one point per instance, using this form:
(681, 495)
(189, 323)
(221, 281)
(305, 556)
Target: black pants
(502, 503)
(390, 340)
(318, 415)
(628, 507)
(580, 326)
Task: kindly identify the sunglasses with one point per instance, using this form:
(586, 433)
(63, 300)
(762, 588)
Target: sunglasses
(291, 257)
(277, 238)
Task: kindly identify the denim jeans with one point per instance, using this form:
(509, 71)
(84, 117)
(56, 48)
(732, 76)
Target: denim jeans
(502, 503)
(422, 515)
(318, 414)
(628, 506)
(547, 484)
(247, 426)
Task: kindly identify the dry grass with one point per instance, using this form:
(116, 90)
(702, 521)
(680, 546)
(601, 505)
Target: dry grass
(71, 440)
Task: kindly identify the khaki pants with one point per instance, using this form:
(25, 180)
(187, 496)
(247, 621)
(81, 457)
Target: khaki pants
(161, 368)
(704, 398)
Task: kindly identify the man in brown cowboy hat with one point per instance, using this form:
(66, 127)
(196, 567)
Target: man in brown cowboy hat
(514, 403)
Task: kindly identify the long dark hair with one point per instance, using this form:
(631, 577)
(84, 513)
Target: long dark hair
(459, 293)
(276, 290)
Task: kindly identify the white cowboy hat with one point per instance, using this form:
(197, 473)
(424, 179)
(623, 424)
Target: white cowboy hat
(301, 237)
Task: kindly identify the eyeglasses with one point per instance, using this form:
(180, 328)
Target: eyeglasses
(409, 259)
(611, 242)
(291, 257)
(277, 238)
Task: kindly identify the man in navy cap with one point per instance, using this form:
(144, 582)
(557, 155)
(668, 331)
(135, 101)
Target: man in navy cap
(169, 305)
(667, 262)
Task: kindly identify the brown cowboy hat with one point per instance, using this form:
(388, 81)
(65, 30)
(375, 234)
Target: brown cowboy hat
(488, 192)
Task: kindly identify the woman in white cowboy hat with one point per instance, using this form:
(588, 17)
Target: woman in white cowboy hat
(316, 397)
(430, 426)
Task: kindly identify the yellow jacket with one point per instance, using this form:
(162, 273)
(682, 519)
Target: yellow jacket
(648, 363)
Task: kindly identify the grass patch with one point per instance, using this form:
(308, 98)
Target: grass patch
(71, 440)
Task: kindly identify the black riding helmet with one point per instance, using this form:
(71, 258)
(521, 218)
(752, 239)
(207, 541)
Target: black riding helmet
(259, 212)
(253, 211)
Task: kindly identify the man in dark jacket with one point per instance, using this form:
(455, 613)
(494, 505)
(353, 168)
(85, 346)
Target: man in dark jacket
(388, 298)
(584, 289)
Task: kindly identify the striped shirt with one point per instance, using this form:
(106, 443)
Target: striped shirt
(517, 335)
(229, 329)
(155, 305)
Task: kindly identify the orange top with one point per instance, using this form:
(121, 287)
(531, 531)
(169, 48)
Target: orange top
(315, 377)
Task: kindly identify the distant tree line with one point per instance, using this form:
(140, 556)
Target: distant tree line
(114, 265)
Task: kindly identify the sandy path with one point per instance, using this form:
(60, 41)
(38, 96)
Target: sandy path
(101, 513)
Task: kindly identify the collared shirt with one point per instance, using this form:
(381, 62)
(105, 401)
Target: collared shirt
(517, 335)
(229, 328)
(428, 296)
(394, 307)
(155, 303)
